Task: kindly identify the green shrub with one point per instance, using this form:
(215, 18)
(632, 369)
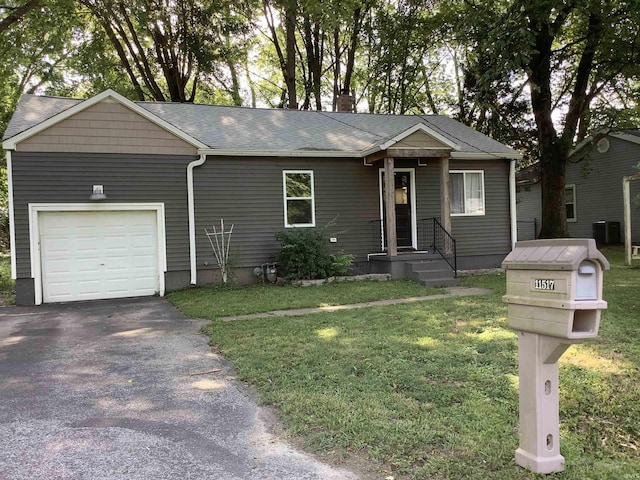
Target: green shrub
(305, 255)
(340, 263)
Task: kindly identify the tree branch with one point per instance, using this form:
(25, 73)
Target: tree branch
(17, 14)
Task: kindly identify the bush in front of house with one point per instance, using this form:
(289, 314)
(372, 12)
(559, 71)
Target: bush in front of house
(305, 255)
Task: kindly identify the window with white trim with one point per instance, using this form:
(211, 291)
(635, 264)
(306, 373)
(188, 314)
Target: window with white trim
(299, 204)
(570, 202)
(466, 192)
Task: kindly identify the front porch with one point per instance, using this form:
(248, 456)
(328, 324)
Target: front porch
(434, 263)
(405, 245)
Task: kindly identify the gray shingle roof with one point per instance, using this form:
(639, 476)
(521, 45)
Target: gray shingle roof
(254, 130)
(33, 109)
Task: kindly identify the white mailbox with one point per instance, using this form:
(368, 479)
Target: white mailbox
(554, 287)
(554, 292)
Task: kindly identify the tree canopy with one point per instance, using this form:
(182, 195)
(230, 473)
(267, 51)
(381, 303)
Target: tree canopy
(537, 75)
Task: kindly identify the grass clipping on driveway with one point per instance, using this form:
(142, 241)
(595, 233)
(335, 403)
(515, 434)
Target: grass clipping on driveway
(430, 390)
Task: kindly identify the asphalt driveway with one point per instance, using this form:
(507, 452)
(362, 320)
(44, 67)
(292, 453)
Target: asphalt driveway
(129, 389)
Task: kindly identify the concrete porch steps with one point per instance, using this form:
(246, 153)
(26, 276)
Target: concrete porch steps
(431, 272)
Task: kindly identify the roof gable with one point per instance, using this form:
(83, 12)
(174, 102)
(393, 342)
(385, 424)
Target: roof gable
(631, 136)
(83, 105)
(419, 136)
(107, 127)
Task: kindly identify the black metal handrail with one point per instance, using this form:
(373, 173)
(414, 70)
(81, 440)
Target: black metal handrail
(376, 235)
(441, 241)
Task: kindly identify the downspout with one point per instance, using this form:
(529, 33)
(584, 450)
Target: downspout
(512, 203)
(12, 225)
(192, 217)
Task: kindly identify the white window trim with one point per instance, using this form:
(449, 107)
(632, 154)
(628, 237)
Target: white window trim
(34, 234)
(414, 221)
(312, 198)
(572, 186)
(464, 182)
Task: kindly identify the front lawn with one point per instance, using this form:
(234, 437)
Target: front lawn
(429, 390)
(219, 301)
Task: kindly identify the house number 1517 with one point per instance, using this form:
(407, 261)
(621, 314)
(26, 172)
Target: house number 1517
(544, 284)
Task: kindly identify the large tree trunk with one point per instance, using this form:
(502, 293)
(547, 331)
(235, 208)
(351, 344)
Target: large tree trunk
(313, 47)
(291, 11)
(554, 213)
(553, 153)
(554, 149)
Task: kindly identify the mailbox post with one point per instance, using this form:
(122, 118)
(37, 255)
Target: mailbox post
(554, 297)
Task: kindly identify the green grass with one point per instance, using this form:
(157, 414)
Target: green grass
(7, 284)
(220, 301)
(429, 390)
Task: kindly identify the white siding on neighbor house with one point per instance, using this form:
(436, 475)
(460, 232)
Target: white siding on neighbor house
(107, 127)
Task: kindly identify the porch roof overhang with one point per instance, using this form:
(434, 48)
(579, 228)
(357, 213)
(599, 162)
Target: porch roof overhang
(407, 153)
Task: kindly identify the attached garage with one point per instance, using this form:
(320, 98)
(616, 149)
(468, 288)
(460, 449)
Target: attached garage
(88, 254)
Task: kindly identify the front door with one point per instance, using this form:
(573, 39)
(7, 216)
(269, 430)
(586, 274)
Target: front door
(405, 201)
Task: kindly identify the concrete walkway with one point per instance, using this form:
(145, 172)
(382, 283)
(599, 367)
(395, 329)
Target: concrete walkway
(451, 292)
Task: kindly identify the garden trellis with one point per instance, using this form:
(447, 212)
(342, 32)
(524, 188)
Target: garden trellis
(220, 242)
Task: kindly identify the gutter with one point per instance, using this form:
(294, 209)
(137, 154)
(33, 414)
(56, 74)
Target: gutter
(192, 217)
(12, 223)
(219, 152)
(512, 203)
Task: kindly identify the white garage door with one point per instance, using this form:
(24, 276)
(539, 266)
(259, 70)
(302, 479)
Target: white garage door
(94, 255)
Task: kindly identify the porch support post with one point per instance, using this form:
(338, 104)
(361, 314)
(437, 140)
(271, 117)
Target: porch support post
(390, 207)
(445, 208)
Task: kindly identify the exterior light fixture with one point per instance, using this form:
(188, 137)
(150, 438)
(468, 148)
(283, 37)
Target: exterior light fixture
(97, 193)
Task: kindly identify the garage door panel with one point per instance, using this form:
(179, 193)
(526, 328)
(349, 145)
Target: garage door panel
(86, 244)
(60, 292)
(88, 287)
(54, 246)
(97, 255)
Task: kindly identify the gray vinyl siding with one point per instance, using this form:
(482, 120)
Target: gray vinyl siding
(529, 208)
(427, 190)
(488, 234)
(598, 181)
(248, 193)
(67, 178)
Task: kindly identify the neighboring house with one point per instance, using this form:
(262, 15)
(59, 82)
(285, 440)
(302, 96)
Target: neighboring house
(593, 192)
(110, 198)
(528, 202)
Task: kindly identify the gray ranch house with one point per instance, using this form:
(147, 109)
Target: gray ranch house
(111, 198)
(593, 193)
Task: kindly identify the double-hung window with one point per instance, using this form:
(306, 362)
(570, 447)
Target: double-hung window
(466, 192)
(570, 202)
(299, 205)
